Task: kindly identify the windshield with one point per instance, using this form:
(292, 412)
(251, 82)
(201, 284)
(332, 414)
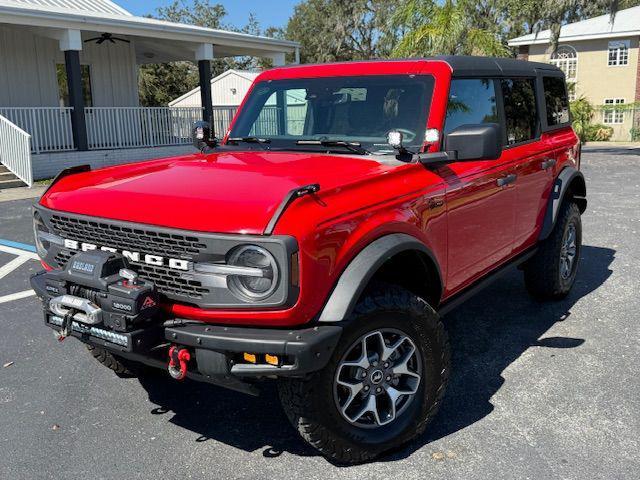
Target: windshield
(289, 114)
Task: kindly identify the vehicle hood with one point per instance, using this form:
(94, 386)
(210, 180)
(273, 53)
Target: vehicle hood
(226, 192)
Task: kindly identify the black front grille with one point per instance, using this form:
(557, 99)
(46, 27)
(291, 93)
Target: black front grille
(127, 238)
(122, 237)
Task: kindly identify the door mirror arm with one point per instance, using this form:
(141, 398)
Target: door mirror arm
(436, 158)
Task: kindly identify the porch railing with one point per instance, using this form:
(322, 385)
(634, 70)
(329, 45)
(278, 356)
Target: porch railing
(49, 127)
(113, 127)
(130, 127)
(14, 150)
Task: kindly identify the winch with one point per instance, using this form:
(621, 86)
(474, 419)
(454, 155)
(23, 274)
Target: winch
(98, 289)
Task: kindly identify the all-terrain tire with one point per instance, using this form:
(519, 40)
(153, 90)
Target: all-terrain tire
(310, 403)
(542, 273)
(120, 366)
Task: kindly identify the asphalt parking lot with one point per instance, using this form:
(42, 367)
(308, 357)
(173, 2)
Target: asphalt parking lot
(538, 390)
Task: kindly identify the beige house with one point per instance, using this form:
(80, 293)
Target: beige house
(600, 56)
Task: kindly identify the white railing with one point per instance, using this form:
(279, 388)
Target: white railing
(267, 121)
(114, 127)
(222, 117)
(130, 127)
(15, 153)
(49, 127)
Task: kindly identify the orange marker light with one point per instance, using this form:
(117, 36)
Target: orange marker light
(271, 359)
(249, 357)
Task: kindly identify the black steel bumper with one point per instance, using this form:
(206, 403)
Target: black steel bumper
(217, 350)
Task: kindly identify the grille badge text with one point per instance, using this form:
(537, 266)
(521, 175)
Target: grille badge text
(135, 257)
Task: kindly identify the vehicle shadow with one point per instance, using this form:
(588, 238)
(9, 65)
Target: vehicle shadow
(487, 334)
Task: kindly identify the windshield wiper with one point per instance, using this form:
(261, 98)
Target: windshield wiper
(351, 146)
(248, 140)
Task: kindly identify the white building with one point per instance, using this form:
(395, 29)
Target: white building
(69, 88)
(227, 90)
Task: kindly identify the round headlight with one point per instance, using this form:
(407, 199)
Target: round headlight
(264, 278)
(40, 232)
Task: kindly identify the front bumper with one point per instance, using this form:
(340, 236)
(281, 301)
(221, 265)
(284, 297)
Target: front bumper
(217, 351)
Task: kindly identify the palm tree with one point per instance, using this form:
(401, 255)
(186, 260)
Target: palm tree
(482, 28)
(446, 29)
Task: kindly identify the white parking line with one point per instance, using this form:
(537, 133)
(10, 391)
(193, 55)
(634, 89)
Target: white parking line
(13, 265)
(17, 296)
(23, 256)
(19, 252)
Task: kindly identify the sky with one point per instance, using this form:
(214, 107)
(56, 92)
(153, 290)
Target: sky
(270, 13)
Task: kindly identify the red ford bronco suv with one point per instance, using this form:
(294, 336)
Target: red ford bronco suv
(319, 243)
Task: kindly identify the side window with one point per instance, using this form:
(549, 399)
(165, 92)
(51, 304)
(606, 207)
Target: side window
(556, 101)
(520, 111)
(471, 101)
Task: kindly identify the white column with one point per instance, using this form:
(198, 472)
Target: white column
(278, 59)
(204, 51)
(70, 40)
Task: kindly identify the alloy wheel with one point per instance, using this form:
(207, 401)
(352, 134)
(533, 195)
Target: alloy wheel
(377, 378)
(568, 252)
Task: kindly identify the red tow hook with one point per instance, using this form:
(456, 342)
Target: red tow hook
(178, 356)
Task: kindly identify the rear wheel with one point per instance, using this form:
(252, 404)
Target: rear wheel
(384, 383)
(551, 272)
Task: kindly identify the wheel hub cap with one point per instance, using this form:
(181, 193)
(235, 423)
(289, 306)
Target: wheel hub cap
(377, 378)
(568, 252)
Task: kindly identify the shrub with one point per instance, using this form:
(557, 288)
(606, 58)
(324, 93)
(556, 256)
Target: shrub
(582, 113)
(598, 133)
(635, 134)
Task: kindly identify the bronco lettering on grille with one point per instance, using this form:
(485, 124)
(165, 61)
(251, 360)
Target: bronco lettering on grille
(136, 257)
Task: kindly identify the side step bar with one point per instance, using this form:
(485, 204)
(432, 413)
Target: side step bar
(470, 291)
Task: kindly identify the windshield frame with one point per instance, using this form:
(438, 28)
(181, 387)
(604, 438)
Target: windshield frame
(255, 102)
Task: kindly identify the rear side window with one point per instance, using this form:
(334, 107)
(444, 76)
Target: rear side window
(471, 101)
(520, 111)
(556, 100)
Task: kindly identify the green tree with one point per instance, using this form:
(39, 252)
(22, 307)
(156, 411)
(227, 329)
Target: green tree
(446, 29)
(161, 83)
(337, 30)
(532, 16)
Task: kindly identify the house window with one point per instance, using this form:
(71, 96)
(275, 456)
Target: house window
(619, 53)
(566, 59)
(614, 115)
(63, 89)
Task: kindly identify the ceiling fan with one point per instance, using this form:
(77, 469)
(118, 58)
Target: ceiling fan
(106, 37)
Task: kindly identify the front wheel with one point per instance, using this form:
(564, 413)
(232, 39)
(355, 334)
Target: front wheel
(384, 383)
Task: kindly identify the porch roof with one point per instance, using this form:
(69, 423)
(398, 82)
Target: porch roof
(156, 40)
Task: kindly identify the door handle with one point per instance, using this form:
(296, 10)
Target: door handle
(504, 181)
(548, 163)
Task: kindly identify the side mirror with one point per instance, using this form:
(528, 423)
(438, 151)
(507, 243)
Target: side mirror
(201, 136)
(475, 142)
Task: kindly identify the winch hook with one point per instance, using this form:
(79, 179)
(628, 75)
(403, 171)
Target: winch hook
(66, 327)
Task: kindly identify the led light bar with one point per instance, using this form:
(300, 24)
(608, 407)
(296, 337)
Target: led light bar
(107, 335)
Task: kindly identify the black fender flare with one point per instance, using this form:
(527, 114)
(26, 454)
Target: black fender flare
(362, 268)
(568, 177)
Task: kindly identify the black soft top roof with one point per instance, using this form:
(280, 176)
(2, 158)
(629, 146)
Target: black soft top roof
(466, 66)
